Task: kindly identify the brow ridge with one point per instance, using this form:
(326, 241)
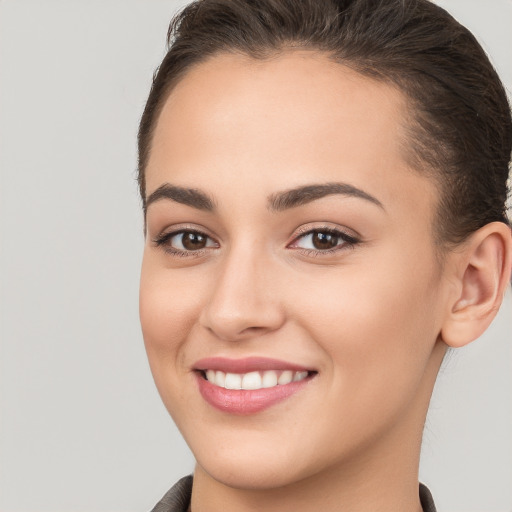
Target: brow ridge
(299, 196)
(276, 202)
(188, 196)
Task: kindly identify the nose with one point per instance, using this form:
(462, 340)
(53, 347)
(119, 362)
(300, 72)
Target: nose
(244, 300)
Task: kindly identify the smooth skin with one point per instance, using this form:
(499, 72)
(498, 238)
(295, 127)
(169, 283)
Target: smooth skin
(373, 318)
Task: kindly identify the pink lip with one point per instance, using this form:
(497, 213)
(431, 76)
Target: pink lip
(248, 364)
(244, 401)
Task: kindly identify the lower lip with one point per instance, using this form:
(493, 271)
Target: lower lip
(246, 401)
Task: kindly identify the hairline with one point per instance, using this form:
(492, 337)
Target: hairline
(410, 125)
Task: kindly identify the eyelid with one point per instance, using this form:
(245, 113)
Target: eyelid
(347, 237)
(178, 228)
(349, 240)
(308, 228)
(162, 240)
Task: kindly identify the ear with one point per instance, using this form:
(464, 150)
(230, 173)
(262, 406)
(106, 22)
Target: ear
(481, 275)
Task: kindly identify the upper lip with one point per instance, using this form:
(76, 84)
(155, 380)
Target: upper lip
(246, 365)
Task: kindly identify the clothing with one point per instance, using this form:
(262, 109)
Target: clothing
(177, 499)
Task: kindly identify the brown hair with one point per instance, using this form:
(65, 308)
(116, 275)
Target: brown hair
(460, 129)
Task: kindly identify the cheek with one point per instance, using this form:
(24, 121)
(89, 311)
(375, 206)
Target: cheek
(167, 308)
(169, 305)
(377, 327)
(367, 308)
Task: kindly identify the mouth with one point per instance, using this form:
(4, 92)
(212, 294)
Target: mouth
(254, 380)
(247, 386)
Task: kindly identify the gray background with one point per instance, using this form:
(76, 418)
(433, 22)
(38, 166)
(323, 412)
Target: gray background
(82, 427)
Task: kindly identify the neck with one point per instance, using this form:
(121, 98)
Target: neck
(380, 477)
(386, 481)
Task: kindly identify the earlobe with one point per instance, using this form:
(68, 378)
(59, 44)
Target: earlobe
(483, 273)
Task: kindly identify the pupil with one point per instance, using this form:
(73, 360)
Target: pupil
(324, 240)
(193, 241)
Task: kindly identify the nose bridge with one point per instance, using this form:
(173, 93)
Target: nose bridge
(243, 301)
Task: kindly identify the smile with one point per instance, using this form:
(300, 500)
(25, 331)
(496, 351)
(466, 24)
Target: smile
(254, 380)
(250, 385)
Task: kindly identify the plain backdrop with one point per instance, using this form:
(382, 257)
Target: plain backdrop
(82, 426)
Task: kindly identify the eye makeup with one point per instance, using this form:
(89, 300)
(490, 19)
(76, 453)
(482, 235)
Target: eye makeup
(323, 240)
(317, 241)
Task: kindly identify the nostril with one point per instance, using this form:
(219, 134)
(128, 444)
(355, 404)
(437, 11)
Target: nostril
(253, 330)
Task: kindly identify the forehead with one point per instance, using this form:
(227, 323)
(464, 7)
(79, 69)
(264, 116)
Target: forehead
(280, 122)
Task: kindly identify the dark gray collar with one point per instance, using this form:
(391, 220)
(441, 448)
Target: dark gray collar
(177, 499)
(427, 502)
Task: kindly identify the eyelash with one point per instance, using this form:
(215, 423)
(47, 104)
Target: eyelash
(349, 242)
(163, 240)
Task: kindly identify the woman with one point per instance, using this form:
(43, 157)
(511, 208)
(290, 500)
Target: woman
(324, 188)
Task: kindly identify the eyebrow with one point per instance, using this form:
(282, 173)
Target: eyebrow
(188, 196)
(277, 202)
(308, 193)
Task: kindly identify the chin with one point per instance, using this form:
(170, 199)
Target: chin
(243, 474)
(262, 462)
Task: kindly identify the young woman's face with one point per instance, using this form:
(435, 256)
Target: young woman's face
(287, 239)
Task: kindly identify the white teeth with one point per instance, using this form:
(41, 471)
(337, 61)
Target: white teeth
(254, 380)
(251, 381)
(299, 376)
(269, 379)
(285, 378)
(220, 378)
(233, 381)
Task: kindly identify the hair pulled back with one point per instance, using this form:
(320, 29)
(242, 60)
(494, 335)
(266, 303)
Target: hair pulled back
(460, 127)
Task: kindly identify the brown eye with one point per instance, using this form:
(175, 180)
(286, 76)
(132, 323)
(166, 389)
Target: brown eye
(192, 241)
(185, 241)
(322, 240)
